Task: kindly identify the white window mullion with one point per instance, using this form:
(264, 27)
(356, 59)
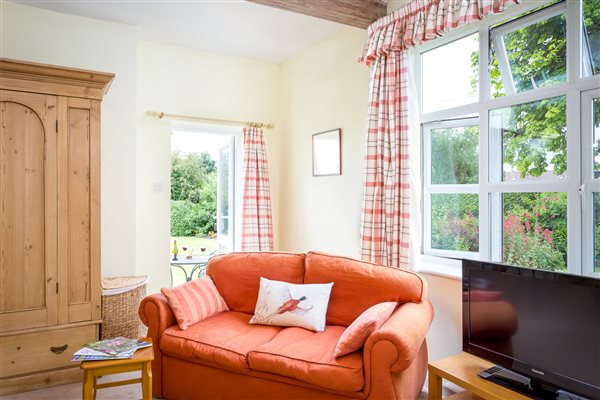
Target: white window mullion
(461, 112)
(426, 174)
(554, 185)
(451, 189)
(528, 96)
(590, 185)
(577, 211)
(485, 233)
(574, 39)
(484, 63)
(574, 200)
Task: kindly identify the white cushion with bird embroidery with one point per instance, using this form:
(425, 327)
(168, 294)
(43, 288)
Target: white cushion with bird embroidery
(287, 304)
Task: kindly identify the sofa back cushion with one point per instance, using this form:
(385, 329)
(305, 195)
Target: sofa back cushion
(237, 275)
(359, 285)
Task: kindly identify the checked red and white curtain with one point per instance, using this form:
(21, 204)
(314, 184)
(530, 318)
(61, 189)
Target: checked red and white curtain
(257, 225)
(385, 217)
(385, 226)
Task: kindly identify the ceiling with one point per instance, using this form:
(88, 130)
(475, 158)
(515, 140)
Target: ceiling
(233, 27)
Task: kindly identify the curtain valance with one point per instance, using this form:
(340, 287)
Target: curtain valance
(423, 20)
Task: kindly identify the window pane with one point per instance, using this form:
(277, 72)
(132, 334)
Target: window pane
(529, 57)
(591, 12)
(596, 113)
(597, 232)
(533, 139)
(450, 74)
(535, 230)
(455, 222)
(455, 155)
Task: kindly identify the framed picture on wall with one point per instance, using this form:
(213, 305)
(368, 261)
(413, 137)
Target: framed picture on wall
(327, 153)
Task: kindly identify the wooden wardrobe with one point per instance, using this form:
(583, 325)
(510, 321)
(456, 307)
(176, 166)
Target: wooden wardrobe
(50, 290)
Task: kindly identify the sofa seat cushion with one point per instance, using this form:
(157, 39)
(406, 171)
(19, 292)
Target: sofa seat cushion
(225, 339)
(308, 356)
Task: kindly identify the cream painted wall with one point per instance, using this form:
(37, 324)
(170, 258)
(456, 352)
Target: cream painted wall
(324, 213)
(33, 34)
(187, 82)
(445, 335)
(323, 88)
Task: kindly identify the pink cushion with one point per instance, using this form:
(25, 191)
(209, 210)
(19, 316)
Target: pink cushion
(355, 336)
(194, 301)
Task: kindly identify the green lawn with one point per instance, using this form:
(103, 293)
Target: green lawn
(195, 243)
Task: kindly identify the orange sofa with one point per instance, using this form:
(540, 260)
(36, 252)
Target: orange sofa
(224, 357)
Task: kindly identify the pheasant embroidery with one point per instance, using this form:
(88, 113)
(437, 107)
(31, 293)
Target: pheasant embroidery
(271, 295)
(288, 306)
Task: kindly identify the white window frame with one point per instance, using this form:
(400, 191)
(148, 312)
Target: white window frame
(590, 185)
(497, 38)
(577, 84)
(430, 189)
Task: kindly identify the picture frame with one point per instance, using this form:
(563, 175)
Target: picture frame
(327, 153)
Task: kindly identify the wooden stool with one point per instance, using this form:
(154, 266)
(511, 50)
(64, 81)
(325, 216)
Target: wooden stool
(141, 361)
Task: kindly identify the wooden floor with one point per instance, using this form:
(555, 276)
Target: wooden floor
(73, 391)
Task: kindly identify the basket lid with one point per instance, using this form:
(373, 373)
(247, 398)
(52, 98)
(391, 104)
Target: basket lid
(121, 284)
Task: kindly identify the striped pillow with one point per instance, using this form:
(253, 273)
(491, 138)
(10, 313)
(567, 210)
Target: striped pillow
(194, 301)
(355, 335)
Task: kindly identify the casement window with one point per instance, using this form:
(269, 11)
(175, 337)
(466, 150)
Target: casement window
(510, 125)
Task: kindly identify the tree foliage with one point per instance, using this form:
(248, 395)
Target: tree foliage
(193, 194)
(534, 134)
(455, 155)
(189, 172)
(455, 222)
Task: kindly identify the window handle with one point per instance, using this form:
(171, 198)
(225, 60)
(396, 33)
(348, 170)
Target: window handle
(582, 194)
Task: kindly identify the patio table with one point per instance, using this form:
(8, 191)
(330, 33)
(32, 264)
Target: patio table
(198, 264)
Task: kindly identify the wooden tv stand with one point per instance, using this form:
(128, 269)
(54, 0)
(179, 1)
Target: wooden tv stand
(462, 369)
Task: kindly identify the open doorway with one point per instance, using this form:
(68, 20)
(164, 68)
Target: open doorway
(203, 191)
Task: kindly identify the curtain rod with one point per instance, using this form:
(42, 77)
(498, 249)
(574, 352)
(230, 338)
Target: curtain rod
(161, 115)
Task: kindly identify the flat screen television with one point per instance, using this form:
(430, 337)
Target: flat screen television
(541, 328)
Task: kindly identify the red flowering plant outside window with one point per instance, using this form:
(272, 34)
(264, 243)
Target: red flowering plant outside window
(535, 230)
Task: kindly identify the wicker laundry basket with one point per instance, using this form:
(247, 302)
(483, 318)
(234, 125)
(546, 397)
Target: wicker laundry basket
(121, 297)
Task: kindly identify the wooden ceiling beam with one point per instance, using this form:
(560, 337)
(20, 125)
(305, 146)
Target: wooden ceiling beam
(357, 13)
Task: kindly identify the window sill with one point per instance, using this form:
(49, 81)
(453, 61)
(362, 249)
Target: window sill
(439, 266)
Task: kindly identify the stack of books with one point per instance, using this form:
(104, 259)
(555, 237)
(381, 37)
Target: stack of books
(110, 349)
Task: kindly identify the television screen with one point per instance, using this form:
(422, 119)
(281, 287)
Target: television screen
(541, 324)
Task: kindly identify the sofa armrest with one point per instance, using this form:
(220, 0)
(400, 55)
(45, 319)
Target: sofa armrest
(156, 314)
(400, 337)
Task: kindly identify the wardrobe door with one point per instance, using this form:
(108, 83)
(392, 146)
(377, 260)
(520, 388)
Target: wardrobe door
(79, 209)
(28, 211)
